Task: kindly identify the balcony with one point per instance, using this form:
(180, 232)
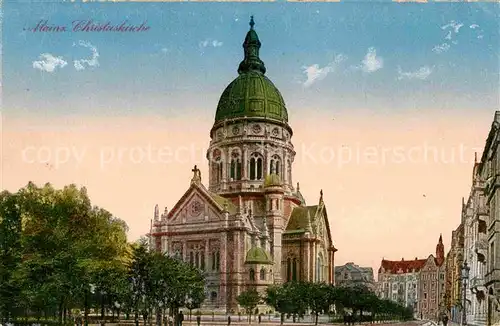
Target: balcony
(477, 284)
(482, 214)
(481, 248)
(492, 277)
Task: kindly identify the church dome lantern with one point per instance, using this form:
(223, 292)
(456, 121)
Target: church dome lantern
(251, 94)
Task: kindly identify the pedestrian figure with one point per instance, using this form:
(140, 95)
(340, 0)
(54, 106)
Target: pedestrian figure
(228, 320)
(181, 318)
(260, 319)
(198, 320)
(445, 320)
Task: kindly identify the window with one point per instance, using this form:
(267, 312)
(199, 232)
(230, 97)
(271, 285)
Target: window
(275, 165)
(235, 166)
(191, 258)
(202, 261)
(252, 275)
(492, 256)
(256, 163)
(294, 269)
(262, 274)
(288, 270)
(215, 261)
(289, 171)
(213, 296)
(319, 263)
(425, 295)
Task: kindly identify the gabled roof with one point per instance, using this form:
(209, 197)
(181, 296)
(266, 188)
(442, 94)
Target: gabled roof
(298, 221)
(219, 202)
(406, 266)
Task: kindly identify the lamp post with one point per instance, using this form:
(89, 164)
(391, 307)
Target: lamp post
(465, 278)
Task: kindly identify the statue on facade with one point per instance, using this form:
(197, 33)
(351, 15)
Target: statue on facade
(196, 174)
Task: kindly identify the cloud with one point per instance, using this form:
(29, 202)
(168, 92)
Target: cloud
(441, 48)
(209, 42)
(423, 73)
(453, 24)
(314, 73)
(92, 62)
(473, 26)
(371, 62)
(49, 63)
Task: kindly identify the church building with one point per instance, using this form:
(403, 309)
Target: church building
(250, 227)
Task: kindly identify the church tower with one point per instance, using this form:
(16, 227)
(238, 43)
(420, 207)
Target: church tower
(250, 138)
(251, 153)
(249, 228)
(440, 250)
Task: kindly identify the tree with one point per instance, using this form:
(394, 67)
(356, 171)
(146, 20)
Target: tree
(318, 298)
(10, 254)
(61, 242)
(249, 300)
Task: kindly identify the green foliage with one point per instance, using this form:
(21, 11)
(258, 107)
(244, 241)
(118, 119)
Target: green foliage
(295, 297)
(249, 300)
(58, 253)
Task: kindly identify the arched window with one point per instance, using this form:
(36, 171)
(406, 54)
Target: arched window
(294, 269)
(217, 165)
(220, 166)
(213, 296)
(262, 274)
(215, 260)
(319, 268)
(275, 165)
(252, 275)
(191, 258)
(289, 171)
(202, 261)
(256, 164)
(288, 270)
(197, 260)
(235, 166)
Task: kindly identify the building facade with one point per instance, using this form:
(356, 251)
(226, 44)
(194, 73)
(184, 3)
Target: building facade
(475, 249)
(398, 281)
(431, 297)
(417, 283)
(454, 263)
(489, 221)
(250, 227)
(479, 232)
(351, 274)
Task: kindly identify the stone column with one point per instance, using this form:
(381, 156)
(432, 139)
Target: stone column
(223, 269)
(277, 242)
(245, 164)
(329, 264)
(184, 251)
(313, 261)
(207, 256)
(307, 261)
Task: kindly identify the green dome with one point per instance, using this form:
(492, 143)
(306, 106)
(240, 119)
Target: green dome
(272, 180)
(251, 94)
(258, 255)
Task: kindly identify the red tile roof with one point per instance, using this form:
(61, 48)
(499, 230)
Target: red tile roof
(402, 266)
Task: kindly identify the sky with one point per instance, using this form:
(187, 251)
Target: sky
(388, 103)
